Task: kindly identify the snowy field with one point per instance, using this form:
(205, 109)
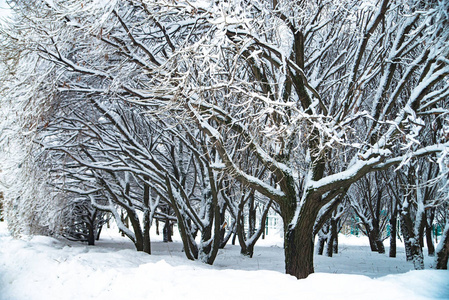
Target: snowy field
(47, 268)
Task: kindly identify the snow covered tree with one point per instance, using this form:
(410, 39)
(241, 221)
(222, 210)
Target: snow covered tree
(83, 222)
(370, 204)
(333, 215)
(243, 207)
(317, 93)
(25, 97)
(326, 95)
(91, 145)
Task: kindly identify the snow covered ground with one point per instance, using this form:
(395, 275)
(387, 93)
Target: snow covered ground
(47, 268)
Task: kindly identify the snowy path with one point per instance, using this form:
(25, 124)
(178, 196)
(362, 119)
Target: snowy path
(47, 268)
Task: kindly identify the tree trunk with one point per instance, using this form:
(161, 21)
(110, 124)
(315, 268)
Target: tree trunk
(417, 255)
(91, 235)
(240, 231)
(299, 250)
(247, 245)
(375, 240)
(393, 233)
(323, 237)
(188, 242)
(443, 250)
(408, 249)
(406, 237)
(166, 232)
(217, 220)
(249, 250)
(124, 221)
(380, 245)
(329, 248)
(226, 236)
(205, 246)
(91, 218)
(335, 244)
(241, 234)
(97, 237)
(372, 240)
(413, 248)
(251, 218)
(298, 240)
(429, 241)
(135, 223)
(223, 236)
(321, 242)
(1, 207)
(146, 236)
(146, 217)
(422, 229)
(332, 237)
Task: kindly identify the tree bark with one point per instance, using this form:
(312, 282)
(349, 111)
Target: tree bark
(166, 232)
(133, 218)
(405, 236)
(97, 236)
(413, 248)
(372, 240)
(443, 250)
(332, 237)
(91, 218)
(380, 245)
(146, 217)
(429, 241)
(321, 242)
(217, 219)
(298, 244)
(322, 238)
(247, 245)
(335, 245)
(91, 235)
(241, 233)
(417, 255)
(393, 233)
(1, 207)
(227, 236)
(224, 238)
(190, 247)
(251, 217)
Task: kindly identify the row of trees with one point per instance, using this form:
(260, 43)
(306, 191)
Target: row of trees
(374, 207)
(201, 112)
